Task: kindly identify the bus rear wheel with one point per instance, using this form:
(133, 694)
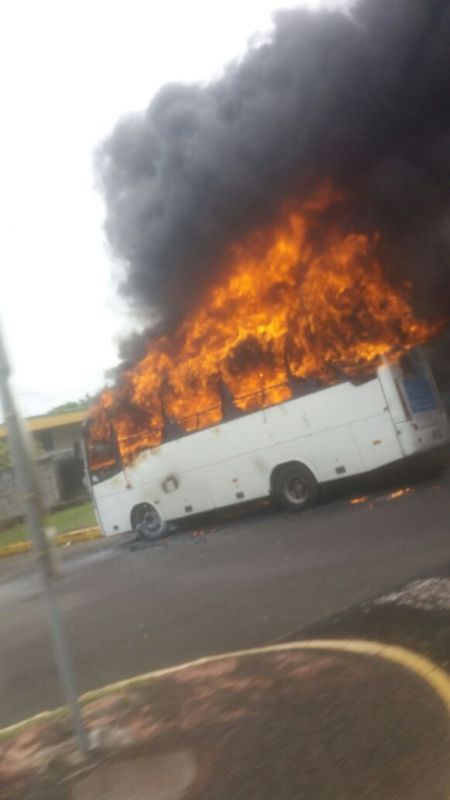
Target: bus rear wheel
(295, 487)
(147, 522)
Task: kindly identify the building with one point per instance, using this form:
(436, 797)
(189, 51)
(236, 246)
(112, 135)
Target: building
(58, 438)
(56, 433)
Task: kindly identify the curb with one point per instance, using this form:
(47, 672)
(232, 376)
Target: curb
(431, 675)
(84, 535)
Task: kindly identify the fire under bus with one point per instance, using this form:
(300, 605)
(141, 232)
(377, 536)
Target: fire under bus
(285, 451)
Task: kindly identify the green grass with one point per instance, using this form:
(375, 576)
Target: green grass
(68, 519)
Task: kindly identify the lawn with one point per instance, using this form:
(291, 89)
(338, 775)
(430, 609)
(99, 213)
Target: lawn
(68, 519)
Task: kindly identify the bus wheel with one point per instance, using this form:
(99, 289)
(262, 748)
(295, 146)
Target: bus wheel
(294, 486)
(147, 522)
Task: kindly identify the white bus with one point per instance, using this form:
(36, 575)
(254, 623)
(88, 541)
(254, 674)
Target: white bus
(285, 451)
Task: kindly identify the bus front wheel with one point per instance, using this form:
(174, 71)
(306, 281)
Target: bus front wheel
(147, 521)
(294, 486)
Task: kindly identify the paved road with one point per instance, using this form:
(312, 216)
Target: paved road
(246, 582)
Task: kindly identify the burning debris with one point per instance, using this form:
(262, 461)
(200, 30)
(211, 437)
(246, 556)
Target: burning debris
(355, 501)
(400, 493)
(281, 223)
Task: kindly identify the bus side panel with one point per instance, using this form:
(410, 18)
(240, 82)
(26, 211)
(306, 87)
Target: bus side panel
(329, 455)
(239, 479)
(173, 476)
(115, 485)
(417, 440)
(341, 405)
(377, 442)
(114, 511)
(187, 493)
(115, 499)
(153, 466)
(335, 454)
(248, 477)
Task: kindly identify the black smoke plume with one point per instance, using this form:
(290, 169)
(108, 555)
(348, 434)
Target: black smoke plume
(359, 99)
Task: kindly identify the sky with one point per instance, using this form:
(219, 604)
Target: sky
(68, 70)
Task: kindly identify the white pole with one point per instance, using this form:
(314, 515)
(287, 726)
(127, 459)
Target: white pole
(20, 446)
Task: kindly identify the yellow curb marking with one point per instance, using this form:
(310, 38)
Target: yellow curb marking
(14, 549)
(79, 536)
(84, 535)
(428, 671)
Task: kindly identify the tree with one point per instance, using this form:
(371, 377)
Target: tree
(72, 405)
(64, 407)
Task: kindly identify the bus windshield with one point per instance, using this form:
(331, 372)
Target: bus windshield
(103, 458)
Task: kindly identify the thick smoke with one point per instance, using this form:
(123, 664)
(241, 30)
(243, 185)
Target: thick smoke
(362, 101)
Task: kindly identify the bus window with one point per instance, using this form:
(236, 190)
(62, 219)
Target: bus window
(103, 459)
(410, 365)
(419, 389)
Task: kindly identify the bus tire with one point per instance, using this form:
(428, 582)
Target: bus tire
(294, 486)
(147, 522)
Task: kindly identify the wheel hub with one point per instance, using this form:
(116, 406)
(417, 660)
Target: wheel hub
(296, 489)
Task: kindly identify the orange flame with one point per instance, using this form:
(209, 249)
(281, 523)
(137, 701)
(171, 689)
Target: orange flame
(400, 493)
(288, 307)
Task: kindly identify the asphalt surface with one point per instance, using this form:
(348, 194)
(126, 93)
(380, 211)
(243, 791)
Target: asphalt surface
(415, 616)
(229, 584)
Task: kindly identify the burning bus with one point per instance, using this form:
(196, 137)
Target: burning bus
(301, 365)
(286, 451)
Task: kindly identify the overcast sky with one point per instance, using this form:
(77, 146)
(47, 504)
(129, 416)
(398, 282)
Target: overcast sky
(68, 71)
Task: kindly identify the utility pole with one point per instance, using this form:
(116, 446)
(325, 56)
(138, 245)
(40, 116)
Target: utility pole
(19, 442)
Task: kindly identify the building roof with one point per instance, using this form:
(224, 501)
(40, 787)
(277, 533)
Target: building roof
(49, 421)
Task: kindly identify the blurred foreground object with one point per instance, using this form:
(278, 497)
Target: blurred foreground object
(23, 462)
